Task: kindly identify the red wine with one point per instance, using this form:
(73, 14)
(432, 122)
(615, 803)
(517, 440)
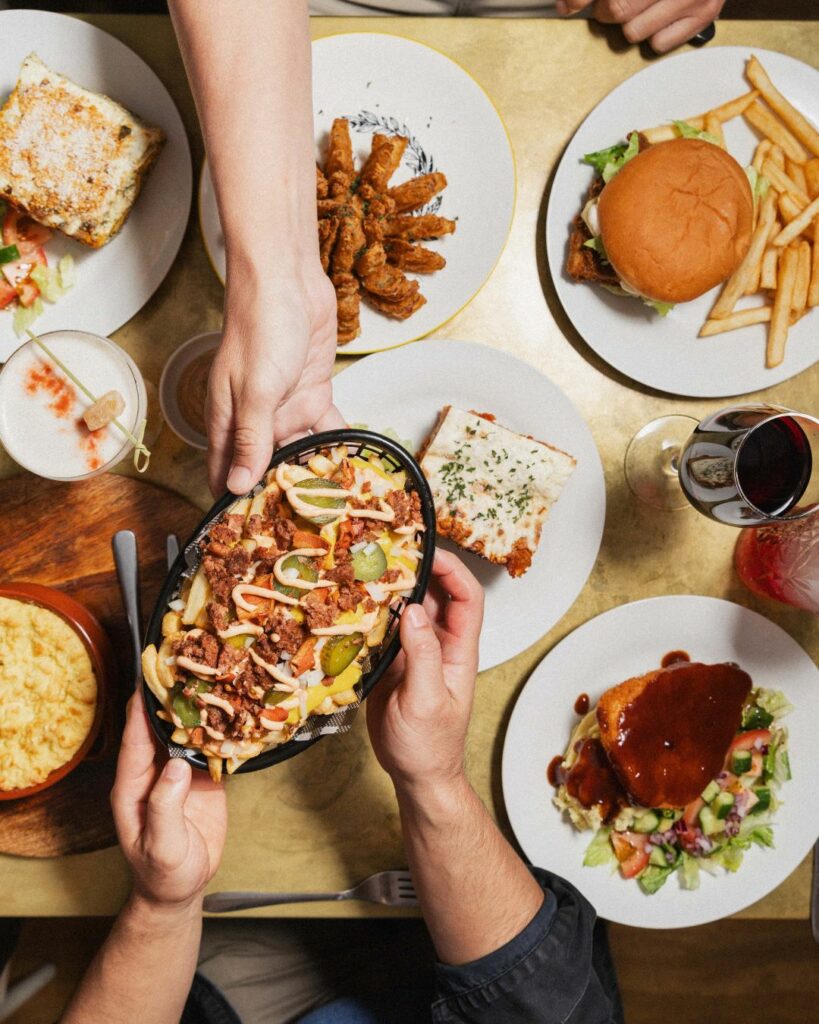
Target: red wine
(749, 465)
(774, 465)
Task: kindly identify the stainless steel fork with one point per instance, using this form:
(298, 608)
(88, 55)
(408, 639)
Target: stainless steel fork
(392, 888)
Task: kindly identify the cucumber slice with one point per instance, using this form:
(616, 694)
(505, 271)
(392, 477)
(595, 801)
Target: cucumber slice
(712, 790)
(648, 822)
(722, 805)
(339, 652)
(740, 761)
(317, 483)
(709, 822)
(763, 795)
(755, 717)
(657, 857)
(369, 563)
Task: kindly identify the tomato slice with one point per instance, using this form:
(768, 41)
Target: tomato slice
(692, 812)
(27, 292)
(748, 740)
(25, 233)
(631, 850)
(7, 293)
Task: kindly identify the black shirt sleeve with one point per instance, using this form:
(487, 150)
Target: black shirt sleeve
(556, 971)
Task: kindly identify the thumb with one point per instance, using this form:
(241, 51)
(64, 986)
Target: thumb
(165, 824)
(424, 676)
(252, 448)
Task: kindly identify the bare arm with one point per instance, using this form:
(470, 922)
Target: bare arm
(664, 23)
(475, 892)
(249, 65)
(171, 828)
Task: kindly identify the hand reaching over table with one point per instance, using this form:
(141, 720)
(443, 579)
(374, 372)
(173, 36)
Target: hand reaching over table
(270, 380)
(664, 23)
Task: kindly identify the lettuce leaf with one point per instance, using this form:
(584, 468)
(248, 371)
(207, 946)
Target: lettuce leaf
(607, 162)
(653, 878)
(774, 702)
(24, 316)
(599, 851)
(687, 131)
(596, 243)
(689, 872)
(663, 308)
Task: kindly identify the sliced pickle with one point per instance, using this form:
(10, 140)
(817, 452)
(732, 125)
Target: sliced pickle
(318, 483)
(340, 652)
(237, 641)
(275, 697)
(306, 570)
(369, 563)
(184, 707)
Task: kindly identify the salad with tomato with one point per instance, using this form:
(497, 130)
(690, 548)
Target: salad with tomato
(26, 279)
(733, 812)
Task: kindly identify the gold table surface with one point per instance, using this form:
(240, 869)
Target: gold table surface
(328, 818)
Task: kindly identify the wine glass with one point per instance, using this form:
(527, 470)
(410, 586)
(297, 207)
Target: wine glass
(744, 466)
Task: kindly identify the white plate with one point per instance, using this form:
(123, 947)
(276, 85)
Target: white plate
(615, 646)
(406, 389)
(387, 84)
(115, 282)
(665, 353)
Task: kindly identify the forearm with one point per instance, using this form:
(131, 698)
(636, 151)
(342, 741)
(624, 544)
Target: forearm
(249, 65)
(475, 892)
(144, 969)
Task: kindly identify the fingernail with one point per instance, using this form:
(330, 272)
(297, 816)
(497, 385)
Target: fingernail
(239, 479)
(416, 616)
(175, 770)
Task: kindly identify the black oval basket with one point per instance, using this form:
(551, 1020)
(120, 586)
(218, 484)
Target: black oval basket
(358, 442)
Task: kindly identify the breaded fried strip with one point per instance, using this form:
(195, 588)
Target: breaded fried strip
(340, 150)
(383, 160)
(328, 233)
(417, 192)
(389, 283)
(371, 259)
(415, 258)
(397, 310)
(321, 184)
(350, 241)
(348, 300)
(417, 228)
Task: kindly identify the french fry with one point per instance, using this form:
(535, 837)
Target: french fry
(738, 281)
(741, 318)
(799, 298)
(770, 125)
(813, 288)
(753, 285)
(796, 172)
(796, 123)
(781, 312)
(761, 151)
(812, 177)
(713, 125)
(733, 108)
(665, 132)
(767, 276)
(778, 156)
(780, 181)
(798, 224)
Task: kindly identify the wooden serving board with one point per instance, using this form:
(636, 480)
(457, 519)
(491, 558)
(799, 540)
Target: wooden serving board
(59, 535)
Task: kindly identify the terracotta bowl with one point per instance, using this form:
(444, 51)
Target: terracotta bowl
(102, 661)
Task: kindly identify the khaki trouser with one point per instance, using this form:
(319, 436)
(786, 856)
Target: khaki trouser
(274, 971)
